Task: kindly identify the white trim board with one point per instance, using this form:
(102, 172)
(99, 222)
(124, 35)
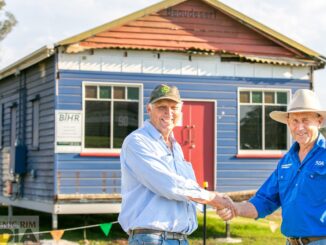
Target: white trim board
(64, 208)
(149, 62)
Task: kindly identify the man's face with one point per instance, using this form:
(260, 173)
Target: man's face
(304, 126)
(164, 115)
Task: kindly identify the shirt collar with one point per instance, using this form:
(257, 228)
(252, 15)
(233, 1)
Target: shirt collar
(320, 143)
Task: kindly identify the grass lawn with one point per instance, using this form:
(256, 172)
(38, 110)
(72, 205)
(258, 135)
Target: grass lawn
(250, 231)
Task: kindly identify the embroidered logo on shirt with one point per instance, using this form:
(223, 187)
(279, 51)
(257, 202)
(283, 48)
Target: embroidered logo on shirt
(320, 163)
(288, 165)
(323, 217)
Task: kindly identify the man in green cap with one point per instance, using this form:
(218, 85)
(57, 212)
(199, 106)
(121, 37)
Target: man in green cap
(158, 185)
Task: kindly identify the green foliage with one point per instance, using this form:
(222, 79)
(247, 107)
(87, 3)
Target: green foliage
(7, 21)
(323, 131)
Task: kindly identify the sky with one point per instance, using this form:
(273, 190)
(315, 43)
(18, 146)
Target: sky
(44, 22)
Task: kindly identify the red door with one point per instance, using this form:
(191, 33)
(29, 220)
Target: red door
(196, 136)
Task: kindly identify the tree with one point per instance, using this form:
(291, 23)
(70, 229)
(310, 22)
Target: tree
(323, 131)
(7, 21)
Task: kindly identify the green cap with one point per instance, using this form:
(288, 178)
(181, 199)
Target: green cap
(166, 92)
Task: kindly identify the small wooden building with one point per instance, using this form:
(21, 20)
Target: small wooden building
(65, 109)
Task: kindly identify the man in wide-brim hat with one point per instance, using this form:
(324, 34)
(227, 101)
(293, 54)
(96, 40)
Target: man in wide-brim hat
(298, 184)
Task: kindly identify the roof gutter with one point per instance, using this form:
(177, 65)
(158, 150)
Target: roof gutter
(27, 61)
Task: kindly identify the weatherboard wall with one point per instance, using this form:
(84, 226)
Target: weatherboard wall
(38, 83)
(76, 174)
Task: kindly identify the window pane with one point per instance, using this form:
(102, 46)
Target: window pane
(91, 92)
(125, 121)
(282, 98)
(97, 124)
(250, 127)
(275, 133)
(269, 97)
(119, 93)
(257, 97)
(244, 97)
(133, 93)
(105, 92)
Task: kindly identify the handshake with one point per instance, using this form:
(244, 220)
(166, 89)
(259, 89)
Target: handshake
(224, 205)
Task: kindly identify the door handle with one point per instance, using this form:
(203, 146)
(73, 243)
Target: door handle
(185, 130)
(192, 128)
(192, 137)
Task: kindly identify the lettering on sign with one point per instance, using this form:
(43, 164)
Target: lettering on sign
(69, 117)
(183, 13)
(68, 131)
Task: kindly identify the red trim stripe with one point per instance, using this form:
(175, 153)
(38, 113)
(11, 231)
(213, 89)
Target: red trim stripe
(259, 155)
(99, 154)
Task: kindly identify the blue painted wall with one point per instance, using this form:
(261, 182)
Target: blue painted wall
(77, 174)
(38, 81)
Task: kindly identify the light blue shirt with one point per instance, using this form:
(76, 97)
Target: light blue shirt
(155, 184)
(300, 189)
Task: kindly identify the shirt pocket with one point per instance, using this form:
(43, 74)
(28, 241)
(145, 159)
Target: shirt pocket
(285, 177)
(315, 182)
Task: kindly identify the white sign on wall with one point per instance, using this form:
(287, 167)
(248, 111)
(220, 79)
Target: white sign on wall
(68, 131)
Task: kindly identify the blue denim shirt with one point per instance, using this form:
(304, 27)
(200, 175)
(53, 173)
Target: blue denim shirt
(300, 189)
(155, 184)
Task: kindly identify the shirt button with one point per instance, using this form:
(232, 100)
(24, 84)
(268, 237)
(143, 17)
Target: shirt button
(312, 176)
(282, 177)
(296, 185)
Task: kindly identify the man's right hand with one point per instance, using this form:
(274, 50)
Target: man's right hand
(242, 209)
(218, 201)
(226, 214)
(224, 205)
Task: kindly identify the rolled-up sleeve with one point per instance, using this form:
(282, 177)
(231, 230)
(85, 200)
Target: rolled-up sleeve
(267, 199)
(151, 171)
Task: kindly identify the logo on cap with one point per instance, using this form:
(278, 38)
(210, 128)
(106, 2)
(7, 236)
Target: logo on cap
(165, 89)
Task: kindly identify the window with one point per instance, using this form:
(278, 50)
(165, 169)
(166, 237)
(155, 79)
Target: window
(257, 131)
(35, 123)
(111, 112)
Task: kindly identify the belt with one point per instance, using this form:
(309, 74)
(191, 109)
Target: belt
(167, 235)
(304, 240)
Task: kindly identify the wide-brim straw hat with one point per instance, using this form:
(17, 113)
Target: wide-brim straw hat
(304, 100)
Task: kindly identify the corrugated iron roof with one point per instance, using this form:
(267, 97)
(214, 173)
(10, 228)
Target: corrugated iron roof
(270, 59)
(317, 60)
(278, 61)
(249, 22)
(208, 52)
(27, 61)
